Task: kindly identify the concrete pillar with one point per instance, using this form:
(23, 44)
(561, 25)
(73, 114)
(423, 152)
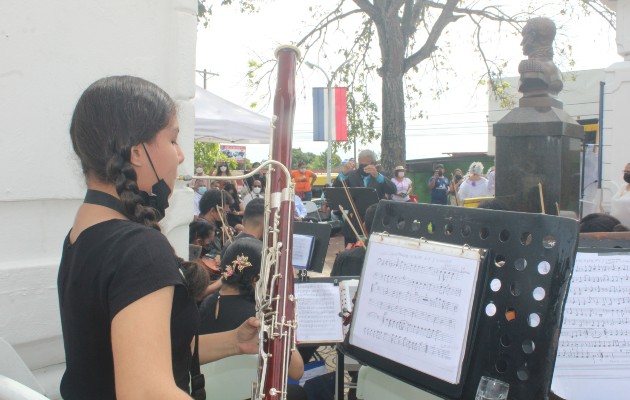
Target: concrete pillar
(616, 132)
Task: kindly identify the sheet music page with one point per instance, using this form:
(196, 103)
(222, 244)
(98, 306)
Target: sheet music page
(302, 250)
(414, 307)
(318, 307)
(595, 339)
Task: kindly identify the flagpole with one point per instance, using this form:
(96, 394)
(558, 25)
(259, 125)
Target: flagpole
(330, 119)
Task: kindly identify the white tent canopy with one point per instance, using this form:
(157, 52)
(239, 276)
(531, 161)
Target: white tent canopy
(220, 121)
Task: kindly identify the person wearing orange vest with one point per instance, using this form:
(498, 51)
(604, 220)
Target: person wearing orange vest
(304, 179)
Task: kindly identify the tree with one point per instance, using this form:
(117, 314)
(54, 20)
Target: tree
(319, 162)
(405, 34)
(298, 156)
(209, 154)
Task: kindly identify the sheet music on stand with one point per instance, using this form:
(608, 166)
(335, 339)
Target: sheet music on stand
(593, 359)
(321, 304)
(415, 304)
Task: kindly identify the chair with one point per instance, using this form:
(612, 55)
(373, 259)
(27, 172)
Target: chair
(13, 390)
(229, 378)
(312, 210)
(373, 384)
(13, 368)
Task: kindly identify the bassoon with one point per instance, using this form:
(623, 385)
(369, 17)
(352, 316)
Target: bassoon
(275, 300)
(274, 292)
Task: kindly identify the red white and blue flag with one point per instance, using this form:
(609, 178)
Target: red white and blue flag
(321, 114)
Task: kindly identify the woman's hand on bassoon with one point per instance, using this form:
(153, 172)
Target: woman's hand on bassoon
(247, 336)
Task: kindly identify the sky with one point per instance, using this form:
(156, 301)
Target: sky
(455, 122)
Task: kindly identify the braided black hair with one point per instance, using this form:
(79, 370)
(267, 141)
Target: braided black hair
(243, 280)
(112, 115)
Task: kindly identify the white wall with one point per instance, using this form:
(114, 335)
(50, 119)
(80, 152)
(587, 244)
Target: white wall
(617, 100)
(50, 52)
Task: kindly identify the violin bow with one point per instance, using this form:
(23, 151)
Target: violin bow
(354, 209)
(345, 217)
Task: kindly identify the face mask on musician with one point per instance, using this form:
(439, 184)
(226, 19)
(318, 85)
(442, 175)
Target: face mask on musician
(223, 168)
(362, 169)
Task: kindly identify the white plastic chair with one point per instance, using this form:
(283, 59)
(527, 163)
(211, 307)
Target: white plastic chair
(231, 377)
(311, 207)
(12, 367)
(375, 385)
(13, 390)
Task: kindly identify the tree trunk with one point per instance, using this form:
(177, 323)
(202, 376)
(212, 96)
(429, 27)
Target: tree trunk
(393, 151)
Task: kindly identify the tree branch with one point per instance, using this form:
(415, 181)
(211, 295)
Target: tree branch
(445, 18)
(497, 15)
(603, 11)
(327, 20)
(367, 8)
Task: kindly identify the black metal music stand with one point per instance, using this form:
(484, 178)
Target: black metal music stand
(518, 343)
(321, 232)
(362, 199)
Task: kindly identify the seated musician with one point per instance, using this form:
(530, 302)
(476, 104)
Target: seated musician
(235, 302)
(253, 223)
(350, 262)
(212, 208)
(366, 175)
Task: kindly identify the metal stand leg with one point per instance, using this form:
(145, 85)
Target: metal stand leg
(339, 377)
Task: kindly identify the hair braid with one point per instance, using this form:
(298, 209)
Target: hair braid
(121, 172)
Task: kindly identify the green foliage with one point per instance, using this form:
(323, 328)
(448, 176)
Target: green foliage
(209, 154)
(319, 162)
(297, 156)
(204, 8)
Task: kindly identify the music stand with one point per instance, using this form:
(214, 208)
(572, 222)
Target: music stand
(321, 232)
(528, 252)
(362, 199)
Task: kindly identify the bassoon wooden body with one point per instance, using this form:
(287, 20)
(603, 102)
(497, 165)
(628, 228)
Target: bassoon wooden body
(274, 292)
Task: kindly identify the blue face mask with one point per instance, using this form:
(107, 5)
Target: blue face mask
(202, 189)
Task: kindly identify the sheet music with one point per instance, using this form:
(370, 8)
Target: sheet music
(595, 338)
(318, 312)
(302, 250)
(414, 304)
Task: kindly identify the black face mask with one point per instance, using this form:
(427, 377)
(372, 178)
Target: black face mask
(440, 173)
(626, 177)
(160, 192)
(361, 170)
(158, 199)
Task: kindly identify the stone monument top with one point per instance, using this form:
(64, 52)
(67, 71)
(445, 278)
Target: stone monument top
(540, 78)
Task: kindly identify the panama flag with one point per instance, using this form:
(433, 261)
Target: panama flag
(321, 113)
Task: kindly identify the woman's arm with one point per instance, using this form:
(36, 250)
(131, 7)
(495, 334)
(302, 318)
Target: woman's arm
(296, 366)
(242, 340)
(141, 347)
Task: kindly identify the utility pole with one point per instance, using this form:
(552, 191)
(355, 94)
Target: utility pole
(206, 74)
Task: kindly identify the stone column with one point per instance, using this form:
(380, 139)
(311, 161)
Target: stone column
(616, 132)
(538, 143)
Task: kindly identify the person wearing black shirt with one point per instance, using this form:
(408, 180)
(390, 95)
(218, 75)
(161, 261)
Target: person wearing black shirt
(128, 321)
(350, 262)
(234, 303)
(366, 175)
